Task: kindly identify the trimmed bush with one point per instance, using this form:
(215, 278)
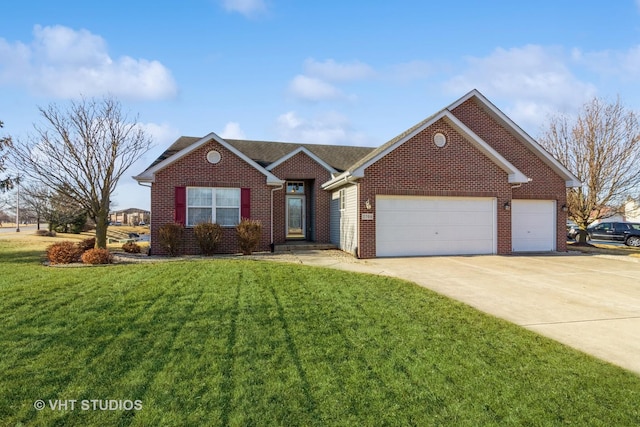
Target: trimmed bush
(208, 236)
(97, 256)
(87, 244)
(170, 237)
(63, 253)
(46, 233)
(131, 248)
(249, 233)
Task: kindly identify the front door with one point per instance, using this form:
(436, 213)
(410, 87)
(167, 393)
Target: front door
(295, 217)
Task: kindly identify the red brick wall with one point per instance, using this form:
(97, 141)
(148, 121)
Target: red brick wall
(195, 170)
(418, 167)
(301, 167)
(545, 184)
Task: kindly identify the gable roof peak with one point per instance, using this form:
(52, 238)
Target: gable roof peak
(149, 174)
(570, 179)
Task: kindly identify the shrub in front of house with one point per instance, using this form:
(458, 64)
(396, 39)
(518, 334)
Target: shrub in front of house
(97, 256)
(87, 244)
(170, 237)
(63, 253)
(131, 248)
(249, 233)
(208, 236)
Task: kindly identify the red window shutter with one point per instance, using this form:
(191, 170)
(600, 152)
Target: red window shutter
(245, 203)
(180, 206)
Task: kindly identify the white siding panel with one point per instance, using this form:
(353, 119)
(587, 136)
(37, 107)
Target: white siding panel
(334, 217)
(344, 222)
(349, 221)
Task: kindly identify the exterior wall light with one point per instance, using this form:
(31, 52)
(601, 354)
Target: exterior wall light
(507, 206)
(564, 208)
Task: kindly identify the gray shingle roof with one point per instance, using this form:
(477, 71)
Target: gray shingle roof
(266, 152)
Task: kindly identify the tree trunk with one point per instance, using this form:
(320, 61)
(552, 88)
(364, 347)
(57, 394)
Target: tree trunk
(581, 237)
(101, 229)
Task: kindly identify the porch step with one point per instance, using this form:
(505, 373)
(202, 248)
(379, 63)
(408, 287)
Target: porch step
(303, 246)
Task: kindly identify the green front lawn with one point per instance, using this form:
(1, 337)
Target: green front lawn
(226, 342)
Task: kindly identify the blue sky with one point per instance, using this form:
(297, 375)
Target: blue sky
(332, 72)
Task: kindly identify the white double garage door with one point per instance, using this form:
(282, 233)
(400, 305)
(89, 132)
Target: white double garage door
(415, 225)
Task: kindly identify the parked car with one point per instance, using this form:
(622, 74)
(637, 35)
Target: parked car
(142, 224)
(572, 229)
(627, 232)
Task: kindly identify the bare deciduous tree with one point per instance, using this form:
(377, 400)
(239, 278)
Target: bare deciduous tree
(36, 198)
(601, 146)
(5, 144)
(82, 151)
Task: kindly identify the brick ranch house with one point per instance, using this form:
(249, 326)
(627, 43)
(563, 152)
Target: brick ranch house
(466, 180)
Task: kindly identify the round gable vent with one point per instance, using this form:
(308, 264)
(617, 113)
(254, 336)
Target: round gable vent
(213, 157)
(440, 140)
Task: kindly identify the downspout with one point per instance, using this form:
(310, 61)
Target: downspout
(272, 245)
(149, 248)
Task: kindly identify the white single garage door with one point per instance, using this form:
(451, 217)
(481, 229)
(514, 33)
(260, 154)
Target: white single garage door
(533, 225)
(414, 225)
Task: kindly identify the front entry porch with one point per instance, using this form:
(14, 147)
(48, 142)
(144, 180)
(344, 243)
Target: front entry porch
(303, 245)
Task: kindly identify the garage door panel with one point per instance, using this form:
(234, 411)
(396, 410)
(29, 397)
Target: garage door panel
(412, 225)
(533, 225)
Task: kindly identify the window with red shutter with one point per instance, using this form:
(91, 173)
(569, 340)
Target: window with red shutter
(245, 203)
(180, 205)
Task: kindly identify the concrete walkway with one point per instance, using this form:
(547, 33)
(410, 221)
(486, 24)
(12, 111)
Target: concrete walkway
(589, 302)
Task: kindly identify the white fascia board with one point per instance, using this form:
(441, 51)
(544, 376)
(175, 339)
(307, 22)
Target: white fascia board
(149, 175)
(308, 153)
(570, 179)
(338, 181)
(143, 178)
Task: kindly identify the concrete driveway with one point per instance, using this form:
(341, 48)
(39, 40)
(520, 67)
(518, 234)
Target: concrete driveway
(589, 302)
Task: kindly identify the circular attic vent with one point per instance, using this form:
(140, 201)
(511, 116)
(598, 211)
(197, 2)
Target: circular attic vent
(440, 140)
(213, 157)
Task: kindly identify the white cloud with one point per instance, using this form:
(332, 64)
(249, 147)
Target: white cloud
(329, 128)
(538, 77)
(232, 131)
(162, 134)
(313, 89)
(333, 71)
(623, 65)
(317, 83)
(66, 63)
(248, 8)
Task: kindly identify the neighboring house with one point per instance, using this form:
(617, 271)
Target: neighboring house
(608, 214)
(131, 216)
(466, 180)
(632, 210)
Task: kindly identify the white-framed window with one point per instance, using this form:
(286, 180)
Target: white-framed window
(219, 205)
(343, 200)
(295, 187)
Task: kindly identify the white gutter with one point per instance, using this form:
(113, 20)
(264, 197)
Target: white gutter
(344, 178)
